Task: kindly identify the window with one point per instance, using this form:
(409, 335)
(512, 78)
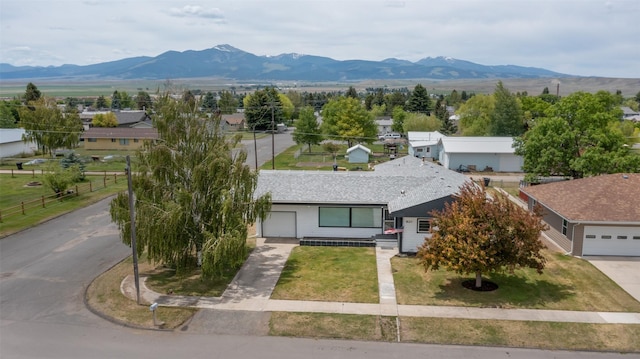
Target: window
(113, 140)
(354, 217)
(605, 236)
(564, 226)
(622, 237)
(636, 237)
(424, 225)
(135, 140)
(428, 149)
(124, 141)
(93, 140)
(419, 150)
(591, 236)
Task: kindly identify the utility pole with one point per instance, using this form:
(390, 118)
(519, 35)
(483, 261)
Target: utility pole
(255, 146)
(273, 143)
(132, 216)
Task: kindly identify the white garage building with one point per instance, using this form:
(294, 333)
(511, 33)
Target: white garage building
(495, 154)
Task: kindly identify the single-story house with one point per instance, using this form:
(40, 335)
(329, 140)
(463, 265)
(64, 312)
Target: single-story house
(11, 143)
(629, 114)
(479, 153)
(396, 197)
(130, 118)
(117, 138)
(125, 118)
(592, 216)
(358, 154)
(384, 124)
(424, 144)
(233, 122)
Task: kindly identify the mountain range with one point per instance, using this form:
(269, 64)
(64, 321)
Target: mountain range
(228, 62)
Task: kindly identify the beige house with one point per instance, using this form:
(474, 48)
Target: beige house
(233, 122)
(117, 138)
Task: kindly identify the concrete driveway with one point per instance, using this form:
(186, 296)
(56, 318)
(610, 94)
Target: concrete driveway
(623, 270)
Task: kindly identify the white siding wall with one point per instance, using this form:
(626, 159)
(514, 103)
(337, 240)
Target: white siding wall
(307, 224)
(411, 239)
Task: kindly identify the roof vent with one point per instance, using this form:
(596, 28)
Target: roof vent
(402, 192)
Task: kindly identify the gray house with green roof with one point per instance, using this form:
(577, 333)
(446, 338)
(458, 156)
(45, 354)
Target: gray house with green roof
(395, 198)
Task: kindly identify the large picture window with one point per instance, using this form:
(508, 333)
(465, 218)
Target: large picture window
(355, 217)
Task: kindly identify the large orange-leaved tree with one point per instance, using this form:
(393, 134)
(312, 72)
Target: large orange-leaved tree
(479, 234)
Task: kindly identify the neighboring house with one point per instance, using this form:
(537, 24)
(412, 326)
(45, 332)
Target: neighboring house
(479, 154)
(358, 154)
(629, 114)
(11, 143)
(126, 118)
(117, 138)
(592, 216)
(396, 197)
(424, 144)
(131, 118)
(384, 124)
(233, 122)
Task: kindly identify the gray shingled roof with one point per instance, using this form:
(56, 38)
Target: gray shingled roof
(401, 183)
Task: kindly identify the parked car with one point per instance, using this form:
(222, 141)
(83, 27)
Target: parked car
(390, 135)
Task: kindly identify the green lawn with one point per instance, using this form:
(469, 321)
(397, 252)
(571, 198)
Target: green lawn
(568, 283)
(337, 274)
(16, 196)
(300, 158)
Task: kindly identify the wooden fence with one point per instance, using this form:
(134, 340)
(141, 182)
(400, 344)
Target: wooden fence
(42, 201)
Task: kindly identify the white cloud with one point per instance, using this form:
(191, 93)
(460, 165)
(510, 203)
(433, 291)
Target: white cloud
(196, 11)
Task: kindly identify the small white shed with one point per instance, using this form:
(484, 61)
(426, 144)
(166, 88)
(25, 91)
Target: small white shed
(358, 154)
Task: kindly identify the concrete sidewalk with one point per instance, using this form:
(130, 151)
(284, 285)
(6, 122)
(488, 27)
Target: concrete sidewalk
(252, 287)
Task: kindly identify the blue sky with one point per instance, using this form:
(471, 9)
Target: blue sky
(580, 37)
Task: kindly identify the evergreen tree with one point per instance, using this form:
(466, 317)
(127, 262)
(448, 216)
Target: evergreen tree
(419, 101)
(143, 101)
(209, 102)
(101, 102)
(115, 101)
(32, 93)
(506, 119)
(351, 92)
(193, 194)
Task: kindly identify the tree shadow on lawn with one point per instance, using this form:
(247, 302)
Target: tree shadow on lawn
(513, 291)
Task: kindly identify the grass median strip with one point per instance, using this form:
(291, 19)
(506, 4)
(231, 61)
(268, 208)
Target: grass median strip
(104, 296)
(568, 283)
(335, 274)
(543, 335)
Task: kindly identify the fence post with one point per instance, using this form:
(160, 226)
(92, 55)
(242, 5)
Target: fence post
(12, 173)
(22, 206)
(115, 178)
(0, 216)
(104, 181)
(33, 173)
(42, 201)
(90, 187)
(77, 193)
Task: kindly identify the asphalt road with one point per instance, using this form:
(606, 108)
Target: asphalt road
(265, 149)
(43, 275)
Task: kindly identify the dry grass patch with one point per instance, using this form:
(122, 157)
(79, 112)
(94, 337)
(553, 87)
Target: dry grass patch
(104, 296)
(544, 335)
(333, 326)
(568, 283)
(336, 274)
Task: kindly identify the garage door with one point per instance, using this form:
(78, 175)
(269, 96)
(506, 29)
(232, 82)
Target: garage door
(280, 224)
(611, 241)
